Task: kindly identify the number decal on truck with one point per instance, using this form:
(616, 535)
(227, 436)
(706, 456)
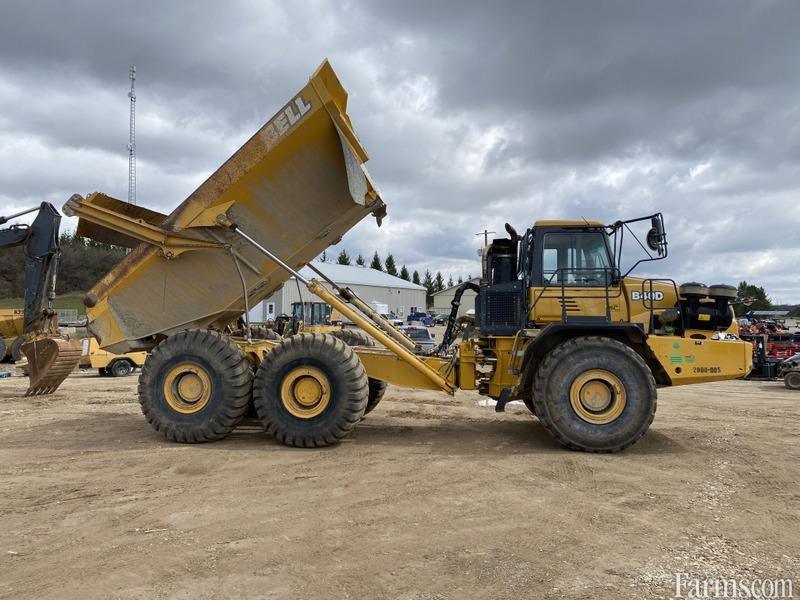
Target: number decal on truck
(706, 369)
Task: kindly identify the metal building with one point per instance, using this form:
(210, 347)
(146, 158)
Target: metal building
(442, 300)
(401, 296)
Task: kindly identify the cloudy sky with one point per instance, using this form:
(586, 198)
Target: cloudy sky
(473, 113)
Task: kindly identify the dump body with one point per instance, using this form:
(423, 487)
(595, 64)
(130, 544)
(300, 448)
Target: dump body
(296, 186)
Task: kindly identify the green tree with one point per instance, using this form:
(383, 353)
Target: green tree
(430, 287)
(391, 268)
(344, 258)
(323, 257)
(404, 273)
(460, 280)
(438, 282)
(415, 278)
(360, 261)
(753, 298)
(450, 281)
(376, 263)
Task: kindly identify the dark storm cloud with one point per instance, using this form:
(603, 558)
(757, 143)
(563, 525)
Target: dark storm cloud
(473, 113)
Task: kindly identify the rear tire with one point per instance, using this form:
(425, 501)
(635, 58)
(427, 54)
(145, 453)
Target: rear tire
(792, 380)
(16, 349)
(120, 367)
(103, 372)
(377, 389)
(353, 337)
(594, 394)
(310, 390)
(357, 337)
(3, 348)
(195, 386)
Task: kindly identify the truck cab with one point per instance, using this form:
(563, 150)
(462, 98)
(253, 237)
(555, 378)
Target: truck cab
(568, 272)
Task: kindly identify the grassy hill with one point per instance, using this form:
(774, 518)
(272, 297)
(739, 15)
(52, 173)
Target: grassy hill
(72, 300)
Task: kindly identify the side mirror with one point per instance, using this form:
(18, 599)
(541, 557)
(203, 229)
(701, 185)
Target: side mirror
(655, 237)
(652, 239)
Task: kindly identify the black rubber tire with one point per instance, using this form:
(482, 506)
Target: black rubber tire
(120, 367)
(353, 337)
(16, 348)
(792, 380)
(357, 337)
(103, 372)
(348, 396)
(3, 348)
(529, 404)
(559, 369)
(231, 384)
(377, 389)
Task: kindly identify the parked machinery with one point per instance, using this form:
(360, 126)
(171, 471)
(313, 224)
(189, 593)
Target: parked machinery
(557, 325)
(50, 357)
(12, 322)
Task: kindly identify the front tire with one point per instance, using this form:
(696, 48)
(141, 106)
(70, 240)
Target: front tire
(16, 348)
(594, 394)
(792, 380)
(195, 386)
(310, 390)
(121, 368)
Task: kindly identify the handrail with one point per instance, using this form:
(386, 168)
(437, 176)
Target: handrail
(608, 273)
(649, 299)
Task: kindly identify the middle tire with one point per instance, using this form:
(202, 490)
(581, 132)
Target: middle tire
(310, 390)
(195, 386)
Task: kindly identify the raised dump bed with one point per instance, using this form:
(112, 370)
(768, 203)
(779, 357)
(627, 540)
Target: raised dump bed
(296, 187)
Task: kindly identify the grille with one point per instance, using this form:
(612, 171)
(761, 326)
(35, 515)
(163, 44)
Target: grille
(501, 308)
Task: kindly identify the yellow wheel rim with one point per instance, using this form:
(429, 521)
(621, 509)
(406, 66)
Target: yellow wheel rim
(305, 392)
(187, 388)
(598, 396)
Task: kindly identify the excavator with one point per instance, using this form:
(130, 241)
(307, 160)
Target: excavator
(50, 357)
(558, 323)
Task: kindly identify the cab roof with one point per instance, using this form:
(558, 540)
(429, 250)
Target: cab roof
(569, 223)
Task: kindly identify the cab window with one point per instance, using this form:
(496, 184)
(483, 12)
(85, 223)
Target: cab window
(575, 259)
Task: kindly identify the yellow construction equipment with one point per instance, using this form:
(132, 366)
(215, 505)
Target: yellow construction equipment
(108, 363)
(12, 322)
(557, 324)
(50, 357)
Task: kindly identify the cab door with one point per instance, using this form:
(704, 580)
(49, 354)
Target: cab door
(573, 278)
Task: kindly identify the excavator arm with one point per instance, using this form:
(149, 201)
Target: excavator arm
(50, 358)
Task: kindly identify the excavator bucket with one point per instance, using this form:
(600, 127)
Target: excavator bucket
(50, 360)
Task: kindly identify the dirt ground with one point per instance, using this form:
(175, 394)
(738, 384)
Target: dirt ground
(430, 497)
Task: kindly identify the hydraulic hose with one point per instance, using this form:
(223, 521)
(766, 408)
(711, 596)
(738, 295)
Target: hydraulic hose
(451, 320)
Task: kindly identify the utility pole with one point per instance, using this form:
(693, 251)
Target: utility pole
(485, 233)
(132, 139)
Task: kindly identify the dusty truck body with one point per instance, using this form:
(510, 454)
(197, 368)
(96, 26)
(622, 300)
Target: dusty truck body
(297, 185)
(557, 325)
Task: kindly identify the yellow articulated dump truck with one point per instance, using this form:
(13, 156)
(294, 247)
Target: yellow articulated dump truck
(557, 324)
(108, 363)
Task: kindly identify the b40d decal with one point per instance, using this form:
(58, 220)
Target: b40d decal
(647, 295)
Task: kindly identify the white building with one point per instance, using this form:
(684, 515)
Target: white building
(442, 300)
(371, 285)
